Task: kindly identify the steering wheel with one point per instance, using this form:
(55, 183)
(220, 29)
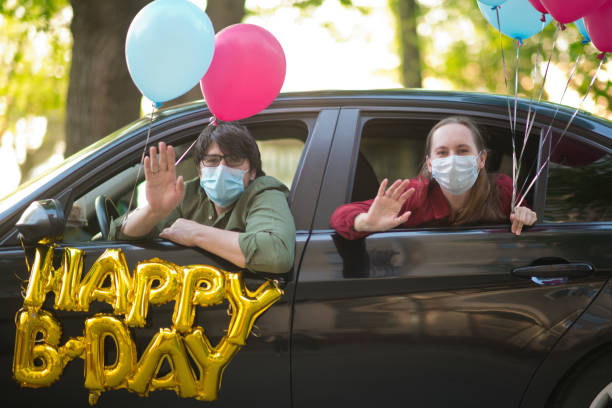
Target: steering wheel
(106, 211)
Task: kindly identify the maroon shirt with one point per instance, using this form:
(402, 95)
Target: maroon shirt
(427, 206)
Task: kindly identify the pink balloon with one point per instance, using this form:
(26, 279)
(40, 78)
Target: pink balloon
(566, 11)
(599, 26)
(246, 74)
(538, 6)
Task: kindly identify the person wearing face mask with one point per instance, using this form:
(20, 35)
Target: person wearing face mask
(232, 209)
(453, 188)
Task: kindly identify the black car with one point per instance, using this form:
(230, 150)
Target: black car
(461, 316)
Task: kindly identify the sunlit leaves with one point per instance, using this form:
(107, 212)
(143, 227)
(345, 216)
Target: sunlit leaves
(34, 64)
(460, 48)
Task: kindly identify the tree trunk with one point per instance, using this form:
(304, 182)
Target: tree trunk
(101, 94)
(222, 13)
(406, 12)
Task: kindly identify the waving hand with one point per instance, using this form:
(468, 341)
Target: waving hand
(163, 190)
(384, 213)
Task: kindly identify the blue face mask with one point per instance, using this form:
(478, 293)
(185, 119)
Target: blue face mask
(222, 184)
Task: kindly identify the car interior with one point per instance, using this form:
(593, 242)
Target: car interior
(280, 144)
(391, 147)
(579, 177)
(394, 148)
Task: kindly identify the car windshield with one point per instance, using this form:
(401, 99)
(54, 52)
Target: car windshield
(28, 188)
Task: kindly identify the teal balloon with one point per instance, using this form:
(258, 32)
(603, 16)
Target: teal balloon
(518, 19)
(493, 3)
(581, 27)
(168, 48)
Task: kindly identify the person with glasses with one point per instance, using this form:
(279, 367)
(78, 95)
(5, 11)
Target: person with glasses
(232, 209)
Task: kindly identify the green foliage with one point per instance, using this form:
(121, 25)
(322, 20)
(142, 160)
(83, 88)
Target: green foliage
(305, 6)
(37, 12)
(33, 69)
(469, 55)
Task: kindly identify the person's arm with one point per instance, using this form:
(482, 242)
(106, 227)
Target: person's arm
(343, 219)
(268, 242)
(163, 191)
(218, 241)
(266, 245)
(357, 220)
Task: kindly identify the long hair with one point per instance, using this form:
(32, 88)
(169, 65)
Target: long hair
(483, 202)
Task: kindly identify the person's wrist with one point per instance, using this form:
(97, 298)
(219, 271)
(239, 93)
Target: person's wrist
(361, 223)
(155, 213)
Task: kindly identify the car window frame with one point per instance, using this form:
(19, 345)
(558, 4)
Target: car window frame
(128, 146)
(581, 135)
(350, 128)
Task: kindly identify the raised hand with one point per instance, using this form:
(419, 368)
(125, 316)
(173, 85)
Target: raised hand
(163, 190)
(522, 216)
(384, 212)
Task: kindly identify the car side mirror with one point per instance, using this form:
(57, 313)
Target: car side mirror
(43, 219)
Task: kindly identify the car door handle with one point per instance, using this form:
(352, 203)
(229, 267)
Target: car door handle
(562, 270)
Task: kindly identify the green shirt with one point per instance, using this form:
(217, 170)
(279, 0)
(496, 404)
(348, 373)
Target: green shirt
(261, 215)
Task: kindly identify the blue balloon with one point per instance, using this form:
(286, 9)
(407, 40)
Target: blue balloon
(168, 48)
(518, 19)
(492, 3)
(580, 26)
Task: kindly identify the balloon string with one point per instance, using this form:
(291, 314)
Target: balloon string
(530, 118)
(569, 80)
(516, 71)
(548, 63)
(211, 122)
(185, 154)
(25, 254)
(144, 151)
(564, 130)
(515, 168)
(501, 47)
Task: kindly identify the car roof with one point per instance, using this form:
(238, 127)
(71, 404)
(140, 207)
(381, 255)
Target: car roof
(477, 102)
(420, 97)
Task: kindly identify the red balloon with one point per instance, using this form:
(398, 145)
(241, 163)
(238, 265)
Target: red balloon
(246, 74)
(538, 6)
(567, 11)
(599, 26)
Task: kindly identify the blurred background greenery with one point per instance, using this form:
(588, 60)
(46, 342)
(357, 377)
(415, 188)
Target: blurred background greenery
(64, 81)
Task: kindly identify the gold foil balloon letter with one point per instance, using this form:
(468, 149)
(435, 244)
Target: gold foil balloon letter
(156, 270)
(111, 264)
(167, 344)
(37, 364)
(247, 306)
(98, 375)
(211, 362)
(195, 365)
(63, 281)
(194, 294)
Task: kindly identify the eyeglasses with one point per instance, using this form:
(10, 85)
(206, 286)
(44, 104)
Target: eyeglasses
(213, 160)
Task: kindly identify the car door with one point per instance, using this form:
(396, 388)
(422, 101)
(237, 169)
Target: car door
(578, 203)
(294, 145)
(431, 316)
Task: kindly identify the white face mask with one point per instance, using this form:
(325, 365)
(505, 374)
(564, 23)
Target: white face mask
(455, 174)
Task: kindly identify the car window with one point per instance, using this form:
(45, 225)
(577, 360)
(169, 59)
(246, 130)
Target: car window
(281, 145)
(280, 158)
(395, 148)
(579, 179)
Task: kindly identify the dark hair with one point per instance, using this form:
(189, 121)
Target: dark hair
(232, 138)
(483, 203)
